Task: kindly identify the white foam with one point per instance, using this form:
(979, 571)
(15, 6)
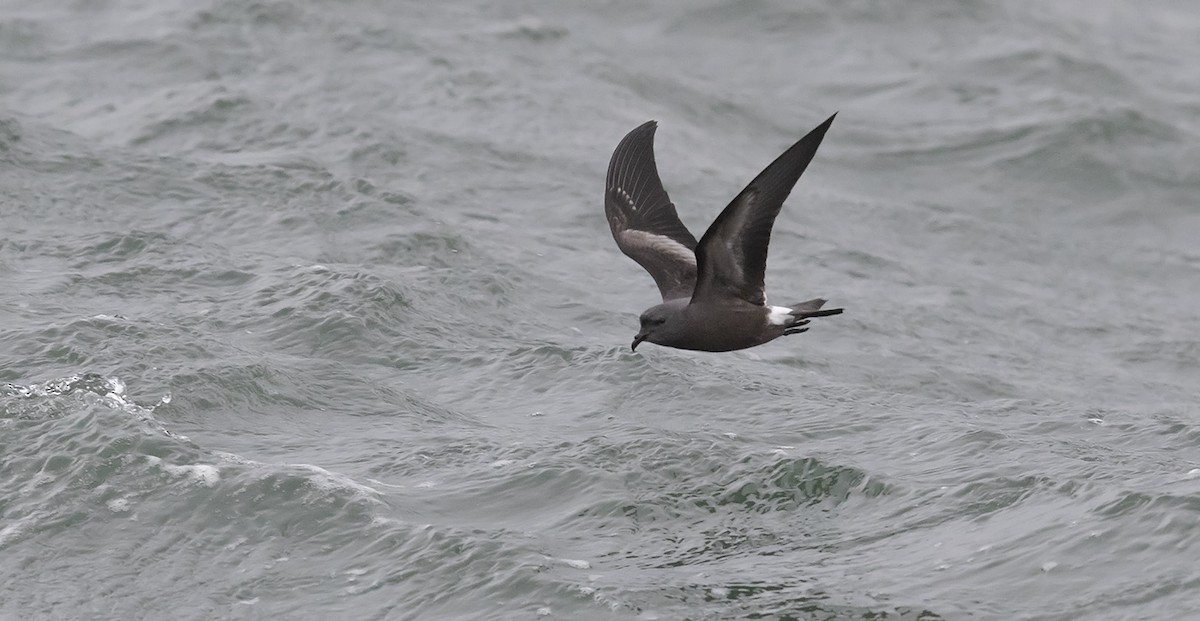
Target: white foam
(326, 481)
(17, 529)
(231, 458)
(318, 477)
(10, 532)
(116, 385)
(235, 544)
(202, 474)
(112, 393)
(382, 484)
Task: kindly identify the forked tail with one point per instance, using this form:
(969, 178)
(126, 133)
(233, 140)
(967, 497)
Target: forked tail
(807, 310)
(812, 308)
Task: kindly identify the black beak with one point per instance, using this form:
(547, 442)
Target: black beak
(637, 340)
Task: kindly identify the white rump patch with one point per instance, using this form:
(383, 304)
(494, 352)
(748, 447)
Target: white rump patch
(780, 315)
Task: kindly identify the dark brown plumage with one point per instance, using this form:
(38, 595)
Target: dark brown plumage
(712, 290)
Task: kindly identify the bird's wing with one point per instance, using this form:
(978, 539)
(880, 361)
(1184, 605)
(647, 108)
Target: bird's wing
(732, 254)
(643, 219)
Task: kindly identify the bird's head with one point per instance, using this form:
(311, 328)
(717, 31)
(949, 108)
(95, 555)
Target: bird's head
(656, 324)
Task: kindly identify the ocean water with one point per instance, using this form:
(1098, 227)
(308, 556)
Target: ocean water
(309, 310)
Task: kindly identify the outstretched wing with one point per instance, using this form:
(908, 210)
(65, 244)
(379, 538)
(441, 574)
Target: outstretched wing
(732, 255)
(643, 219)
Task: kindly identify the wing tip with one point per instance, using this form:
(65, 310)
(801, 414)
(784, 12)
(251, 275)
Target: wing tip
(639, 133)
(636, 149)
(648, 127)
(823, 127)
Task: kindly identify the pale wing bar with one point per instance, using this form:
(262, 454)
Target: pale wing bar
(643, 219)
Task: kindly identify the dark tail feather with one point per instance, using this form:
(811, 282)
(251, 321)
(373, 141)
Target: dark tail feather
(812, 308)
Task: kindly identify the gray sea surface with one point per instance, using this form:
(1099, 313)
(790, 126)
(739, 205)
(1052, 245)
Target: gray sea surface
(309, 310)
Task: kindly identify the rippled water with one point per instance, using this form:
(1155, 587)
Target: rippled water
(309, 310)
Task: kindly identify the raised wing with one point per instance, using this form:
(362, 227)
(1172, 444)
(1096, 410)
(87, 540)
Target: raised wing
(732, 255)
(643, 219)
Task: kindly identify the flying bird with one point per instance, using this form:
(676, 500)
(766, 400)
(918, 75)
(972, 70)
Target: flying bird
(712, 290)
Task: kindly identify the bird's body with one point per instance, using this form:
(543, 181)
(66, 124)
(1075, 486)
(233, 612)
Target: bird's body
(712, 290)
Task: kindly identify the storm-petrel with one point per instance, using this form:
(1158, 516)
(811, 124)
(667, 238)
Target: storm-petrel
(712, 290)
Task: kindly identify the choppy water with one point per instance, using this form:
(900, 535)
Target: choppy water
(309, 311)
